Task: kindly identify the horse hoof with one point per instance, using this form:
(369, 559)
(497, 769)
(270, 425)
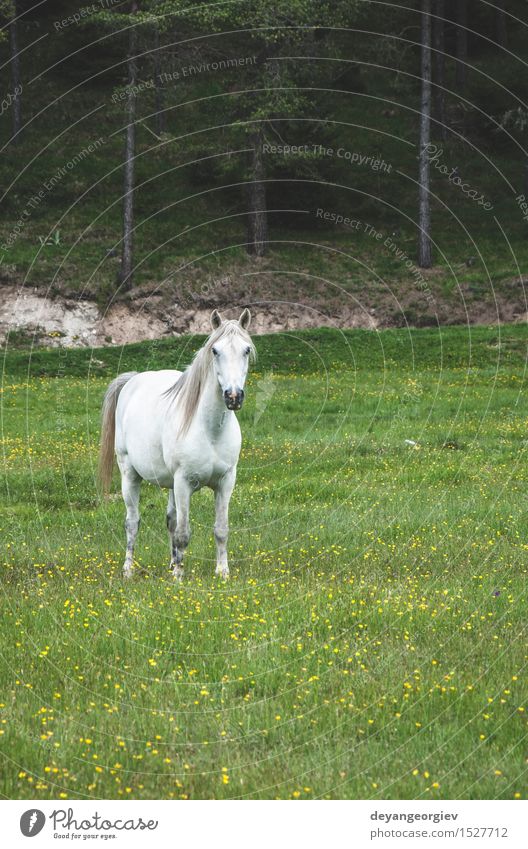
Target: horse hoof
(177, 573)
(127, 571)
(222, 572)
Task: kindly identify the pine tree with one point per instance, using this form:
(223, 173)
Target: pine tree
(425, 259)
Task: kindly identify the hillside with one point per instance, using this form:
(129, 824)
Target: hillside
(340, 179)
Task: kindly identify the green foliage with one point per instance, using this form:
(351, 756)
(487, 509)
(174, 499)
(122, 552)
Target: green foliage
(7, 12)
(7, 9)
(334, 95)
(277, 35)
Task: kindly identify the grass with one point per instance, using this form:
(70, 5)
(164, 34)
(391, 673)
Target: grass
(371, 642)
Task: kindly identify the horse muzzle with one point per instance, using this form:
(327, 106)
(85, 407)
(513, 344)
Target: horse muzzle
(234, 399)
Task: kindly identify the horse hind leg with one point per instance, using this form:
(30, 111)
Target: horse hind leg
(171, 527)
(130, 487)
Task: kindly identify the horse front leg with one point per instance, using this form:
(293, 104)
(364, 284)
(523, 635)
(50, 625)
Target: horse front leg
(171, 524)
(223, 494)
(181, 534)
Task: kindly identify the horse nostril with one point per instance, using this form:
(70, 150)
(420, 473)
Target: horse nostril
(234, 398)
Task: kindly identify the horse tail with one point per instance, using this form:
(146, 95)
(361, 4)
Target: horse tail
(106, 448)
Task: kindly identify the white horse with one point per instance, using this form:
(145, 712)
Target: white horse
(179, 430)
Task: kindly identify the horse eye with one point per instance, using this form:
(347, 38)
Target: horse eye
(247, 351)
(215, 352)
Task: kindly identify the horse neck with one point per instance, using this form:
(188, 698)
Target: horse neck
(212, 410)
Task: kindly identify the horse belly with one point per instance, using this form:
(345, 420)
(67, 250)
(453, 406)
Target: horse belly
(139, 431)
(151, 470)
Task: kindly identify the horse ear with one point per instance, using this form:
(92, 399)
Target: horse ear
(245, 319)
(216, 319)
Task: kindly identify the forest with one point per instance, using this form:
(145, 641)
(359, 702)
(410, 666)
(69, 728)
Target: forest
(166, 146)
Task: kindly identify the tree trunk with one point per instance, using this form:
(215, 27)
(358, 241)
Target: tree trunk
(15, 76)
(500, 24)
(439, 66)
(257, 233)
(161, 123)
(127, 258)
(461, 45)
(425, 259)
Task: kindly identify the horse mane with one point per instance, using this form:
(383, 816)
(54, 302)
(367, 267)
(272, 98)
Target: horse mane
(187, 390)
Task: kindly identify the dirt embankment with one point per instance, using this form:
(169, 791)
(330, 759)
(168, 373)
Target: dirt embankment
(31, 315)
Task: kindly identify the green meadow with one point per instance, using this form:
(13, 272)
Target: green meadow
(371, 641)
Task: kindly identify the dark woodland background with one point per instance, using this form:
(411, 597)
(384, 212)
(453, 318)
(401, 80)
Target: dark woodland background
(189, 111)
